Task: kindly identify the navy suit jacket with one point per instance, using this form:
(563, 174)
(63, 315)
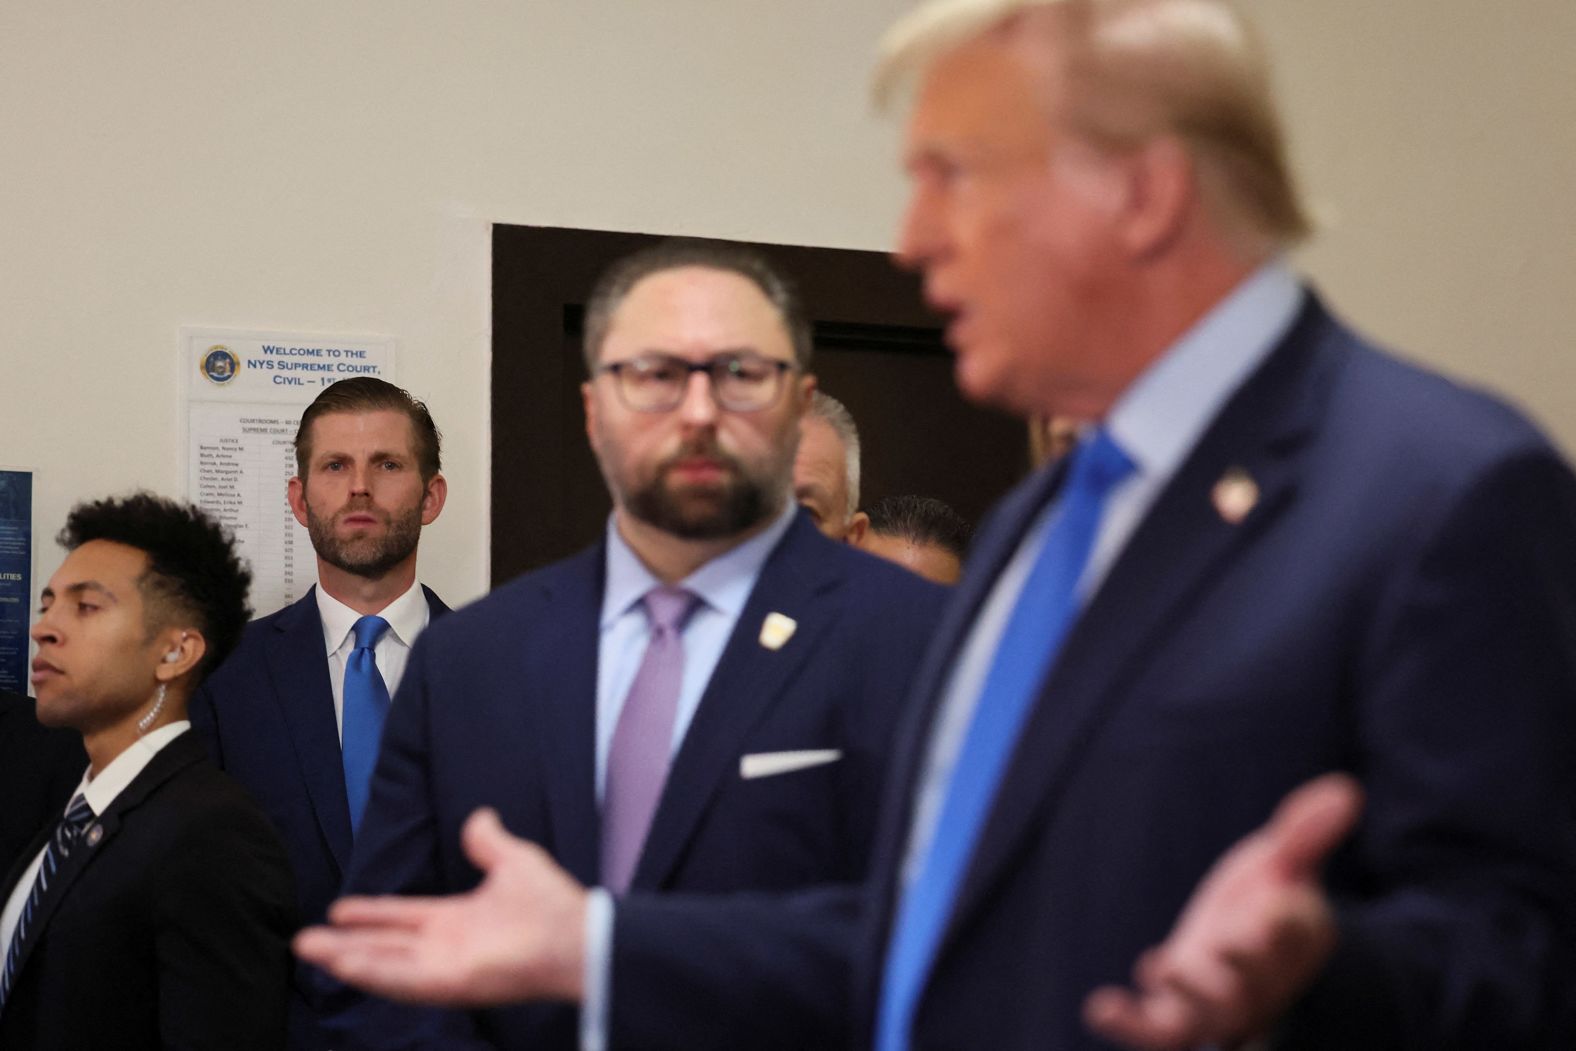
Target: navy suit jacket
(40, 766)
(1399, 603)
(267, 716)
(173, 926)
(498, 708)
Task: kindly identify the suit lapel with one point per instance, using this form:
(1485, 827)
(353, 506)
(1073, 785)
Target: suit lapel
(180, 753)
(997, 543)
(298, 664)
(748, 680)
(563, 665)
(1178, 550)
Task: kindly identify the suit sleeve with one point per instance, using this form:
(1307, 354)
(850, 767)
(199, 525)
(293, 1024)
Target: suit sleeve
(756, 971)
(1456, 930)
(224, 916)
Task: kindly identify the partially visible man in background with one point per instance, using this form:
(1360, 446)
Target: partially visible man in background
(919, 533)
(826, 469)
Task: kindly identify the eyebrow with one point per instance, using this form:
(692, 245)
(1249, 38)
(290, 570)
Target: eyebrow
(376, 454)
(78, 588)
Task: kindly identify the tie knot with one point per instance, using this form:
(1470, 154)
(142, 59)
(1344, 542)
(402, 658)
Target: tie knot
(1098, 464)
(78, 814)
(368, 631)
(667, 608)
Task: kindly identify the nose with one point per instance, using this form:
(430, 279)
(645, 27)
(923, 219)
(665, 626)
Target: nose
(918, 234)
(43, 629)
(699, 407)
(361, 478)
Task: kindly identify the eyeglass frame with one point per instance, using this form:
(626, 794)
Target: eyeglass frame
(709, 367)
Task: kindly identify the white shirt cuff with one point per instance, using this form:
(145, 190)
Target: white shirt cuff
(594, 1008)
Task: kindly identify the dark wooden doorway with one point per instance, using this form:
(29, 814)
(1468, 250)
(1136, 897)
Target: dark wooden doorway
(877, 349)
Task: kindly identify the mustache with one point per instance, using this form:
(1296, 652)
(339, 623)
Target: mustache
(699, 449)
(361, 506)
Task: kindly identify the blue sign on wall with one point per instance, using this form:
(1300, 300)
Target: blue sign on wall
(16, 576)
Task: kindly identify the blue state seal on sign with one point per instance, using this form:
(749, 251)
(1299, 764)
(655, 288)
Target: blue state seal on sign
(220, 365)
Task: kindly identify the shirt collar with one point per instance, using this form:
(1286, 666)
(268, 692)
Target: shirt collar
(101, 791)
(1164, 412)
(724, 583)
(406, 615)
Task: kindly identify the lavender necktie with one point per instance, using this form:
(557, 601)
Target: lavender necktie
(637, 764)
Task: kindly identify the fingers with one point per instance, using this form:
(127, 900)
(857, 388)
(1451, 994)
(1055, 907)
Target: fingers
(485, 839)
(1157, 1021)
(385, 962)
(1311, 822)
(383, 911)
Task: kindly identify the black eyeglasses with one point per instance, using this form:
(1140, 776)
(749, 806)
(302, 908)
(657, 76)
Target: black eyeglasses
(739, 382)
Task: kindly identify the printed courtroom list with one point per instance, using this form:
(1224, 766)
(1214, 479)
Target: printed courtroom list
(245, 392)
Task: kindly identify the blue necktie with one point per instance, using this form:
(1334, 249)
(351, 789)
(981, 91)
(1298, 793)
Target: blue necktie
(67, 837)
(366, 704)
(1045, 610)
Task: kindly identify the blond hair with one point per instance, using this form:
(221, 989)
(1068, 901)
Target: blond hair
(1136, 70)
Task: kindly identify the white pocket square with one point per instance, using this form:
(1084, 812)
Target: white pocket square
(769, 764)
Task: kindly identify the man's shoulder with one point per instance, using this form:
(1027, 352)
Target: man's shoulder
(242, 668)
(520, 599)
(1392, 418)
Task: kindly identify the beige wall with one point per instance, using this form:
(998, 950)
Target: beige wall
(333, 166)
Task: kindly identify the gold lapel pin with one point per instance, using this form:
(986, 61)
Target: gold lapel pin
(776, 630)
(95, 833)
(1235, 495)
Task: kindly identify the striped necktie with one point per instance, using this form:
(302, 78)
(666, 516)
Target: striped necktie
(67, 838)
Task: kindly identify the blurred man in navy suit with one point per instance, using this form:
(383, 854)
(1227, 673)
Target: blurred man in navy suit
(1250, 719)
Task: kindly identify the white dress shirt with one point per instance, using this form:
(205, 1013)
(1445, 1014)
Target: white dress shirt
(407, 617)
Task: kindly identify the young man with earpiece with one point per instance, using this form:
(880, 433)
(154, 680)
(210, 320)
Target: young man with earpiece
(155, 911)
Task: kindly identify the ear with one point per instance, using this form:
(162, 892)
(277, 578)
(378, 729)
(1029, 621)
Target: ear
(858, 526)
(1161, 193)
(433, 499)
(295, 492)
(180, 650)
(803, 391)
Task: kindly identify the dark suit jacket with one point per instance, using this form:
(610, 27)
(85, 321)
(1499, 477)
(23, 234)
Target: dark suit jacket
(267, 716)
(174, 927)
(1400, 603)
(498, 708)
(39, 768)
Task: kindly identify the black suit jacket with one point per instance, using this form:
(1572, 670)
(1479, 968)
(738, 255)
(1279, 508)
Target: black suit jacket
(267, 716)
(173, 929)
(39, 767)
(1400, 603)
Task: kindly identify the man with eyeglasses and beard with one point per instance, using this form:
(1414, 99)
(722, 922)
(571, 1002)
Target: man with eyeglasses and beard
(703, 700)
(296, 713)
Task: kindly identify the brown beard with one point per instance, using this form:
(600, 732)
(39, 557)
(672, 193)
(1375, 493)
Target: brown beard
(730, 508)
(366, 556)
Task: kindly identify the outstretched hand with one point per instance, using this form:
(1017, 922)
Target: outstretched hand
(1253, 936)
(517, 936)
